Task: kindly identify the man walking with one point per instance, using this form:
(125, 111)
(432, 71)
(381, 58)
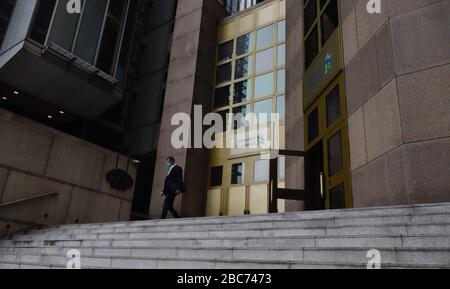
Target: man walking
(173, 186)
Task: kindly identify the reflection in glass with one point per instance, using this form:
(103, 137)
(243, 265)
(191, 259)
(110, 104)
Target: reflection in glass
(64, 26)
(264, 85)
(311, 47)
(333, 106)
(243, 67)
(261, 171)
(111, 35)
(216, 176)
(244, 44)
(329, 21)
(240, 116)
(282, 55)
(263, 111)
(282, 31)
(242, 91)
(310, 15)
(337, 197)
(237, 174)
(222, 97)
(90, 29)
(225, 51)
(223, 73)
(41, 22)
(264, 60)
(335, 160)
(281, 80)
(264, 37)
(281, 168)
(225, 118)
(313, 125)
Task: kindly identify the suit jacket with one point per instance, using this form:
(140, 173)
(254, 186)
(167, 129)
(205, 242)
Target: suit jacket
(174, 181)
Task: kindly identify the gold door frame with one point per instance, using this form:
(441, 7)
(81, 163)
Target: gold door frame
(325, 133)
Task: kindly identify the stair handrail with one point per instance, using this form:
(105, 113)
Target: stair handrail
(29, 199)
(24, 200)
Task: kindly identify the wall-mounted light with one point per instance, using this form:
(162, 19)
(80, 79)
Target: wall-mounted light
(61, 112)
(50, 117)
(4, 98)
(16, 92)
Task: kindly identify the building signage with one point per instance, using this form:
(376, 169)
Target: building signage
(322, 71)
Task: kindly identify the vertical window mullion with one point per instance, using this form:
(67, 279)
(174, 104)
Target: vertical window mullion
(101, 33)
(119, 45)
(51, 22)
(80, 19)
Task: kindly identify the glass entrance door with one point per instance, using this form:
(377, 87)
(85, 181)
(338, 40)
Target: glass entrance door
(328, 161)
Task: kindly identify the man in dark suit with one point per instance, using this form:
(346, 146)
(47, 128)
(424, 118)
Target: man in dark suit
(173, 186)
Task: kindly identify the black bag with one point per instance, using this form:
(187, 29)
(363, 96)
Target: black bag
(183, 188)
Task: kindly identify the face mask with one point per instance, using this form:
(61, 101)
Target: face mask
(169, 165)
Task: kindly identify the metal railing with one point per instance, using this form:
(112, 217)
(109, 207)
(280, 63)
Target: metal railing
(21, 201)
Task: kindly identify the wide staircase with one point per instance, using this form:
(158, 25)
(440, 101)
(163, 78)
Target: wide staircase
(406, 237)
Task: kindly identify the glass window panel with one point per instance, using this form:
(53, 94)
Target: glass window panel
(42, 19)
(313, 125)
(242, 91)
(337, 197)
(261, 172)
(281, 107)
(310, 15)
(281, 168)
(240, 119)
(237, 174)
(125, 50)
(244, 44)
(216, 176)
(264, 60)
(244, 67)
(224, 115)
(333, 106)
(281, 80)
(264, 85)
(329, 21)
(225, 51)
(64, 27)
(111, 36)
(223, 73)
(335, 159)
(222, 97)
(311, 47)
(281, 55)
(90, 29)
(263, 111)
(264, 37)
(322, 3)
(282, 31)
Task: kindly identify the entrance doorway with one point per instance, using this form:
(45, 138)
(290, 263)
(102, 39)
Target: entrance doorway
(327, 162)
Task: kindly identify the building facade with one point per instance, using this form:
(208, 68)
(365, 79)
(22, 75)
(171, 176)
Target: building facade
(362, 99)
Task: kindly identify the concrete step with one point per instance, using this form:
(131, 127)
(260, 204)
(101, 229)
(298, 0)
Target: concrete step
(439, 258)
(418, 210)
(340, 222)
(380, 241)
(395, 229)
(406, 236)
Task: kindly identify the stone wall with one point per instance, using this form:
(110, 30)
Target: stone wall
(295, 172)
(36, 160)
(397, 67)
